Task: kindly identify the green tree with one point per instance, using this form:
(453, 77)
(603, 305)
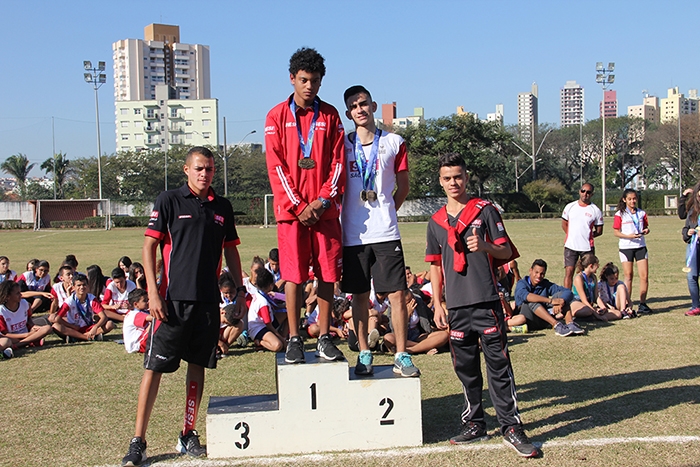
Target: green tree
(19, 167)
(62, 174)
(545, 191)
(484, 147)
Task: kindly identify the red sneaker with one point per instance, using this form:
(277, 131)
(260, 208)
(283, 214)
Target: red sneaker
(693, 312)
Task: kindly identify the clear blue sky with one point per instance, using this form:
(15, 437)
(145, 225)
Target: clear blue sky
(432, 54)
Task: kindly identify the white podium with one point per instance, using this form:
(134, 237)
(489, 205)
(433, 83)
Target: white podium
(319, 406)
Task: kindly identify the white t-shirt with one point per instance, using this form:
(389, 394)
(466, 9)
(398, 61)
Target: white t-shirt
(629, 223)
(60, 293)
(581, 221)
(14, 322)
(367, 222)
(119, 299)
(12, 276)
(259, 314)
(33, 283)
(134, 330)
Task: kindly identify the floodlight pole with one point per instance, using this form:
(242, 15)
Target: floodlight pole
(680, 165)
(605, 78)
(96, 78)
(226, 156)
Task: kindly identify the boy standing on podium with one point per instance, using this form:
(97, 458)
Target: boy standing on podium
(466, 241)
(376, 163)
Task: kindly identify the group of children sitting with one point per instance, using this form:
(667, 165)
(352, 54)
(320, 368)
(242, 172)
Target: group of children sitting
(84, 307)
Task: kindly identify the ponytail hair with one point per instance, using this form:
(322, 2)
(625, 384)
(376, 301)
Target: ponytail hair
(585, 261)
(608, 270)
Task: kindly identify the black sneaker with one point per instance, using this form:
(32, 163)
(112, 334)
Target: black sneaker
(326, 349)
(137, 453)
(295, 350)
(516, 438)
(470, 433)
(189, 444)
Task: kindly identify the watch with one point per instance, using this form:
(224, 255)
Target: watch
(325, 203)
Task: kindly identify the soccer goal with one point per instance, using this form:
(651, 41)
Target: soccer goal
(72, 214)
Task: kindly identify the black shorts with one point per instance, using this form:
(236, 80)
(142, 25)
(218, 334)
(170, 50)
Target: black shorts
(628, 255)
(191, 334)
(571, 257)
(382, 262)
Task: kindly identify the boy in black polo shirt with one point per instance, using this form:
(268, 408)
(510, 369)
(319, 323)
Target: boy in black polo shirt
(465, 240)
(192, 225)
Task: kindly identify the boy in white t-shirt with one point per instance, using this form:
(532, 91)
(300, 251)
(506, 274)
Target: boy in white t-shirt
(262, 323)
(377, 184)
(76, 318)
(581, 222)
(116, 299)
(61, 290)
(137, 322)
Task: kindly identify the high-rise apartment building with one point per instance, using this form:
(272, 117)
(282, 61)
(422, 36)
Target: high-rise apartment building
(496, 116)
(162, 92)
(609, 104)
(141, 65)
(649, 110)
(571, 110)
(527, 113)
(676, 102)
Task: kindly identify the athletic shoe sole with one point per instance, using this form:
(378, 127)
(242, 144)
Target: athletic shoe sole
(473, 440)
(526, 455)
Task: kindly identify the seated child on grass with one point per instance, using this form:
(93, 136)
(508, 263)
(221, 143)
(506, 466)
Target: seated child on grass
(422, 337)
(6, 351)
(16, 318)
(613, 295)
(232, 325)
(137, 322)
(6, 274)
(61, 290)
(76, 318)
(35, 286)
(116, 299)
(263, 314)
(338, 325)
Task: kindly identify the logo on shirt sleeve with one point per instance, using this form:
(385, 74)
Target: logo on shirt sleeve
(500, 227)
(270, 130)
(154, 216)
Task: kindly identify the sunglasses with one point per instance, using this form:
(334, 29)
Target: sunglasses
(588, 192)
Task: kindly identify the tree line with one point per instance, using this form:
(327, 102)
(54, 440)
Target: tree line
(635, 150)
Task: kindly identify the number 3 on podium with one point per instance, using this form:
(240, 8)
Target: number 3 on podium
(244, 435)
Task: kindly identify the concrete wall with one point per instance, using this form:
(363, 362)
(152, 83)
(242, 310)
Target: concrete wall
(421, 207)
(17, 210)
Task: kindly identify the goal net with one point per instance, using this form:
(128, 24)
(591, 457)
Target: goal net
(72, 214)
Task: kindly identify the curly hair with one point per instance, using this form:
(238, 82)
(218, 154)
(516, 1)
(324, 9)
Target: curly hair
(308, 60)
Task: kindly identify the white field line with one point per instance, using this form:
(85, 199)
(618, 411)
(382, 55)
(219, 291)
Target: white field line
(422, 451)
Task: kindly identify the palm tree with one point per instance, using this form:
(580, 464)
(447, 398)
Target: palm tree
(19, 167)
(63, 171)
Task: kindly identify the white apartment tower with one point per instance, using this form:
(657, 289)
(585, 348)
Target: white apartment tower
(571, 111)
(527, 113)
(141, 65)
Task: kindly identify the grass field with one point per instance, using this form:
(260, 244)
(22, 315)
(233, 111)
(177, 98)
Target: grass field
(75, 404)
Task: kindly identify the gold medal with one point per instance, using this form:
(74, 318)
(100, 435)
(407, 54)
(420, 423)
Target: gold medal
(363, 195)
(307, 163)
(371, 195)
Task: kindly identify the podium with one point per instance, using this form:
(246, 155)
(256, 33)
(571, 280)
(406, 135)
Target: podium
(319, 406)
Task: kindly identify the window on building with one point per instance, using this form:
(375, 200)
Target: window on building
(188, 122)
(124, 111)
(137, 111)
(205, 110)
(206, 134)
(138, 137)
(125, 137)
(124, 124)
(206, 122)
(188, 110)
(138, 123)
(188, 136)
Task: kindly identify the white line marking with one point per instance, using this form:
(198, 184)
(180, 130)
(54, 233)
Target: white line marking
(326, 458)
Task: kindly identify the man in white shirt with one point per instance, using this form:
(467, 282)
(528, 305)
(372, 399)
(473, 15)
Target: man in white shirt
(581, 221)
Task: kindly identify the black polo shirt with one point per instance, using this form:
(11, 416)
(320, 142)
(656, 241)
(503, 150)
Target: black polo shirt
(192, 234)
(477, 283)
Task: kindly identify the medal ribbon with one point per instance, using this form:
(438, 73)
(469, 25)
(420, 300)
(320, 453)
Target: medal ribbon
(269, 301)
(611, 296)
(85, 314)
(635, 219)
(305, 147)
(368, 167)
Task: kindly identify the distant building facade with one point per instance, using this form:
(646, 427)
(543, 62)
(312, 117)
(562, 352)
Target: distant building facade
(608, 107)
(675, 102)
(649, 110)
(571, 108)
(141, 65)
(164, 121)
(527, 113)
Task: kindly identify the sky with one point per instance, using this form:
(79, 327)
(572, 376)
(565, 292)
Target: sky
(436, 54)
